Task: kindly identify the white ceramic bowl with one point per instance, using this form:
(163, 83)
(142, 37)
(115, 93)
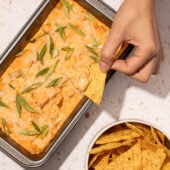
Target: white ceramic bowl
(113, 125)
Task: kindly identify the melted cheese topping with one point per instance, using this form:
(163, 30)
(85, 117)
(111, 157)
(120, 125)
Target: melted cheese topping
(69, 64)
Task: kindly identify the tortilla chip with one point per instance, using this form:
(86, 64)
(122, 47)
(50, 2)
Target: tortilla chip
(155, 137)
(130, 160)
(93, 159)
(161, 136)
(153, 159)
(166, 166)
(120, 50)
(122, 149)
(134, 128)
(110, 146)
(126, 134)
(96, 87)
(101, 162)
(114, 155)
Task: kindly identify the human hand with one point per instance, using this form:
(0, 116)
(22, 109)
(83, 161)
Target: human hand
(135, 23)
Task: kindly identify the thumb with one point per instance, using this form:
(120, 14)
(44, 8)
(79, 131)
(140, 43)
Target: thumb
(108, 53)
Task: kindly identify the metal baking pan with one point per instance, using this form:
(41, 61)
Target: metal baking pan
(9, 146)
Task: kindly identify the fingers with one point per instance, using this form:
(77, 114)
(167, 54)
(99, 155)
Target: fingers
(135, 62)
(144, 73)
(109, 51)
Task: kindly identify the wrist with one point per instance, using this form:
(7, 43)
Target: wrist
(140, 5)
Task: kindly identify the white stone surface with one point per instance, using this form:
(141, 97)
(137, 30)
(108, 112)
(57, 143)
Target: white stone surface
(13, 15)
(123, 98)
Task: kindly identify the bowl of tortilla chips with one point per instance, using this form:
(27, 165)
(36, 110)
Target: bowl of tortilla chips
(129, 145)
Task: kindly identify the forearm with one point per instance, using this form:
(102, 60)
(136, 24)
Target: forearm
(140, 5)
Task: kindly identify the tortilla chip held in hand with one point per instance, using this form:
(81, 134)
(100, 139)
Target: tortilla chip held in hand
(96, 87)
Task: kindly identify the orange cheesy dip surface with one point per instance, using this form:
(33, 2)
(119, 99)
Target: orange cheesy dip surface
(46, 80)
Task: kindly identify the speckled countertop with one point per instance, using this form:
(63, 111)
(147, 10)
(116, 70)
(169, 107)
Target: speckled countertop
(123, 97)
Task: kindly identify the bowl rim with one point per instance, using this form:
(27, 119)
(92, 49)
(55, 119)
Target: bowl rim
(113, 124)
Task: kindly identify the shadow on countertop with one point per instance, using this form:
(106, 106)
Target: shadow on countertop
(117, 86)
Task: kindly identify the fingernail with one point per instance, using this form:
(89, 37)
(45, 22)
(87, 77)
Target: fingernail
(103, 67)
